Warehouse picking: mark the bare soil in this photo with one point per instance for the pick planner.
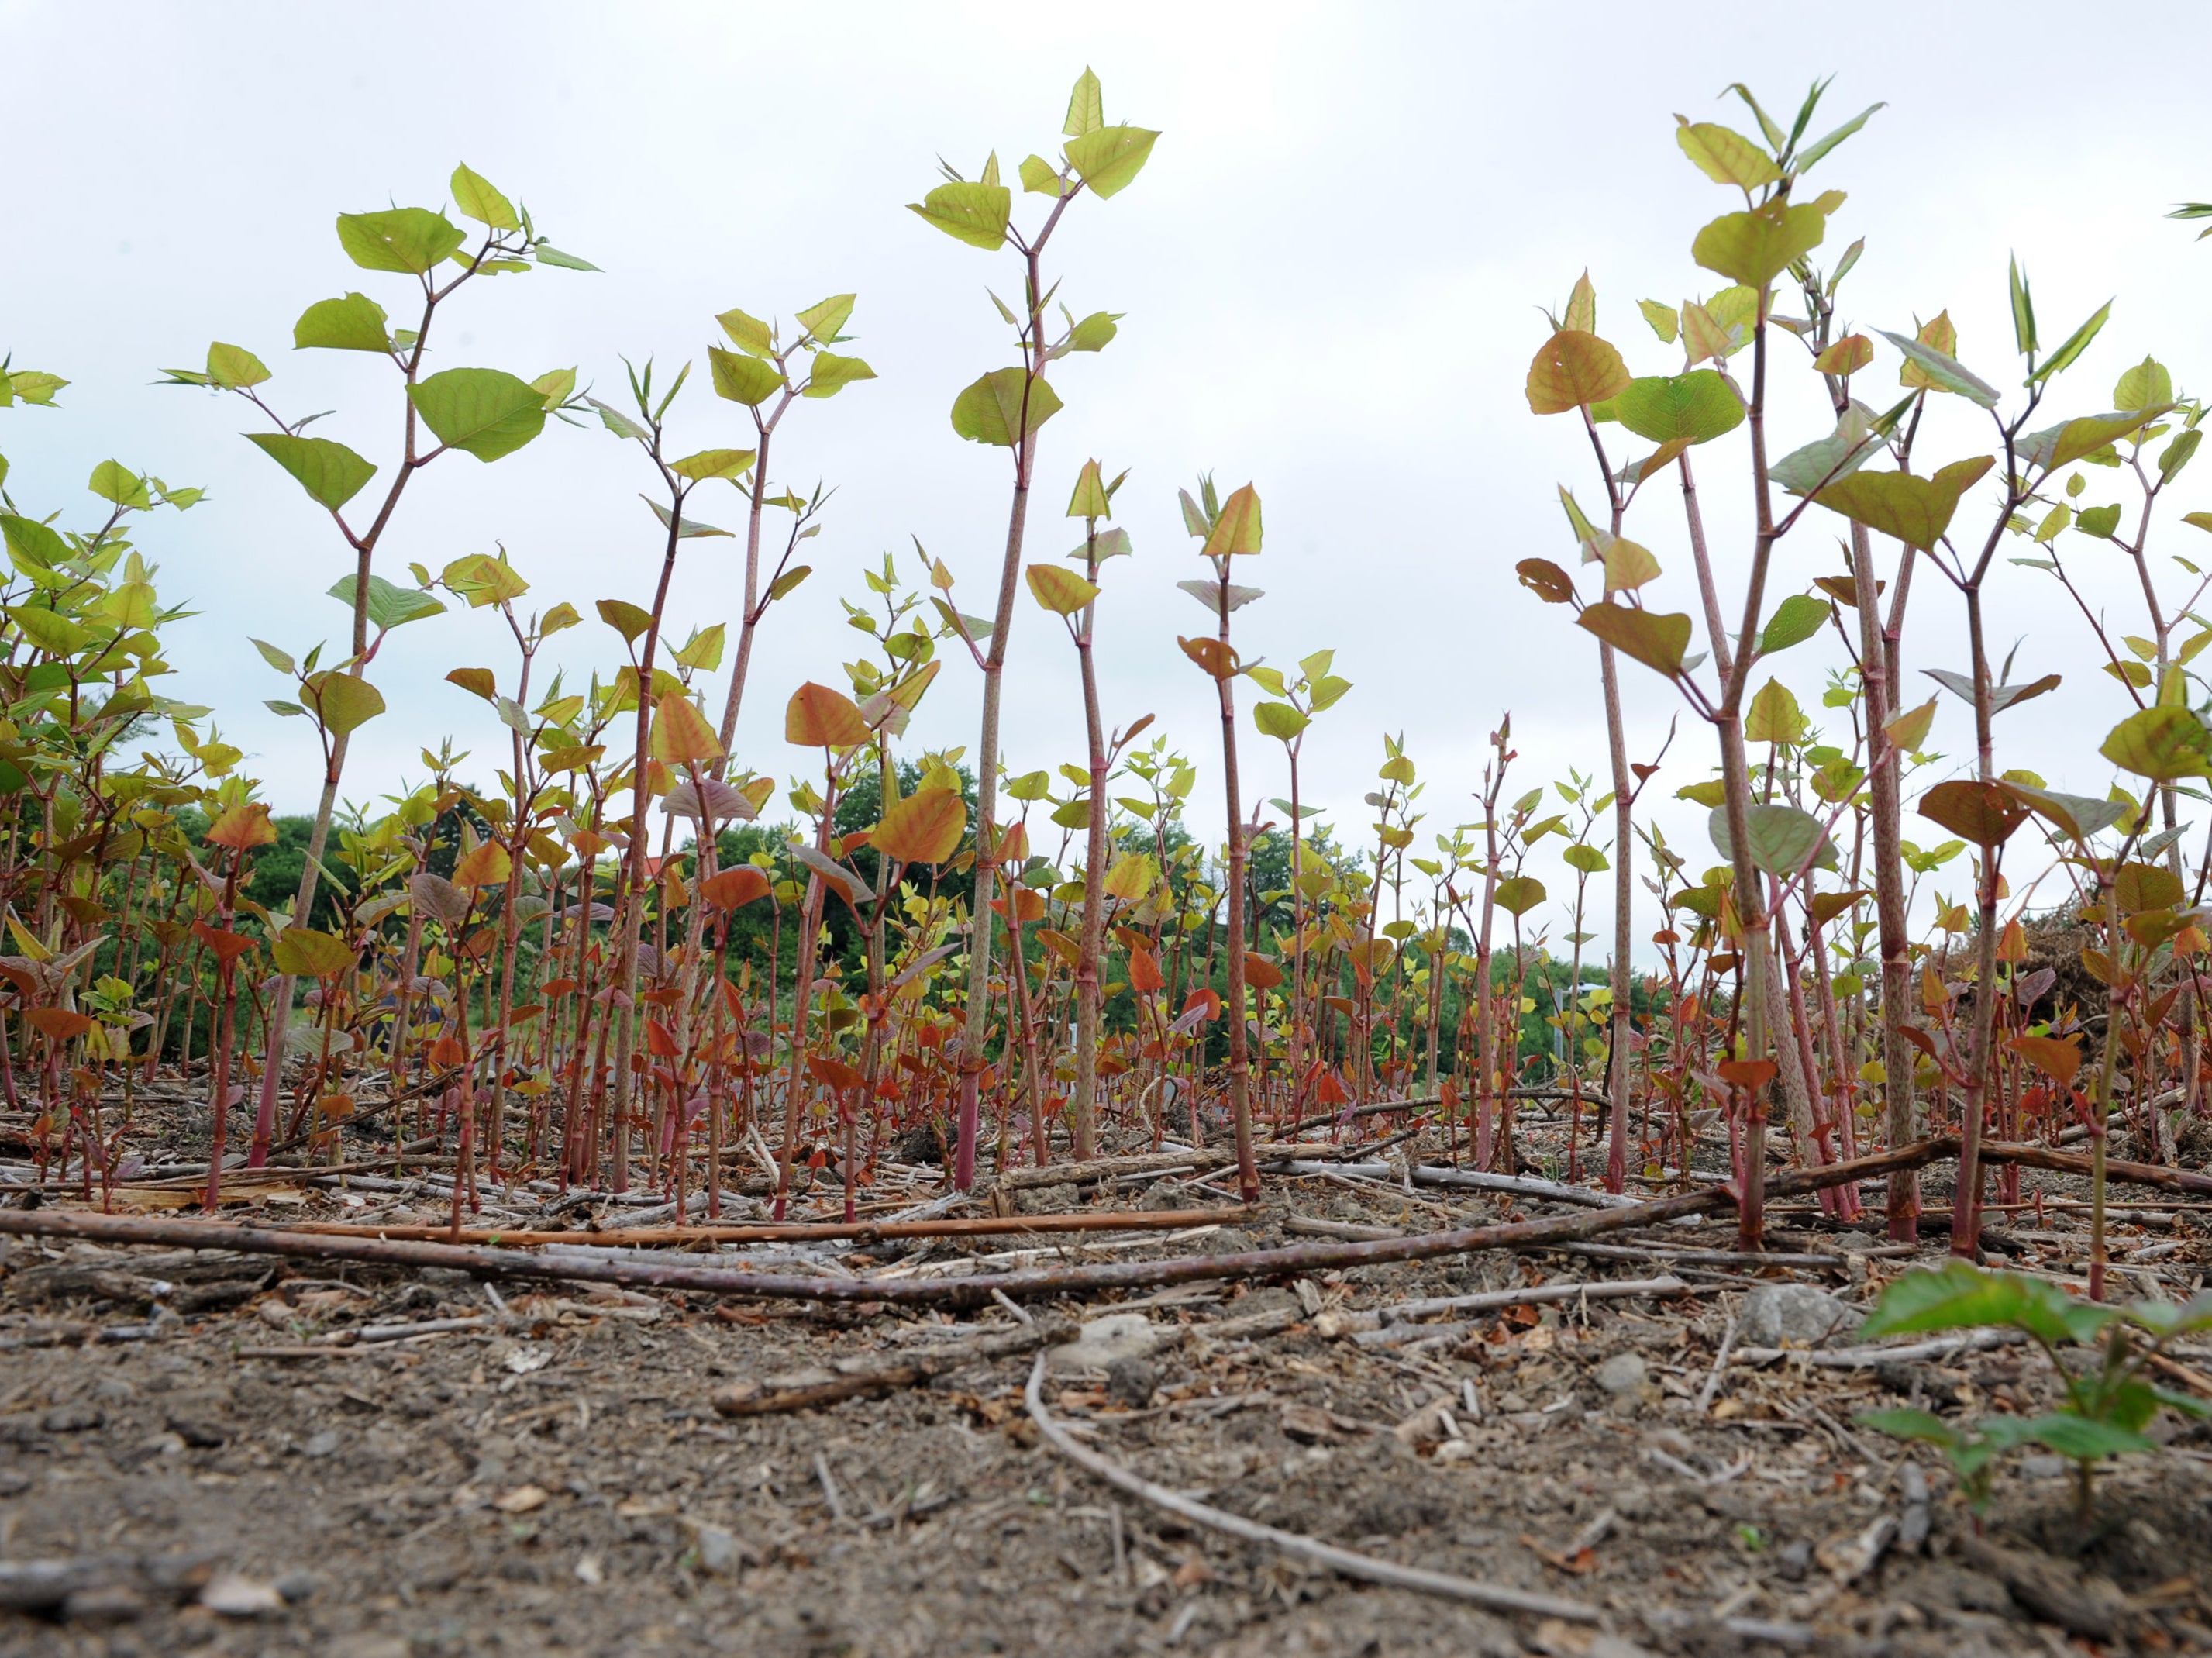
(556, 1479)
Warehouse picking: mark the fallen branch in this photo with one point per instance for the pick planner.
(804, 1391)
(2074, 1163)
(862, 1233)
(959, 1292)
(1389, 1326)
(1520, 1185)
(1150, 1163)
(1364, 1567)
(1864, 1358)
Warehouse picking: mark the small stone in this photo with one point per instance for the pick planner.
(14, 1482)
(1775, 1313)
(1103, 1340)
(321, 1444)
(297, 1585)
(111, 1603)
(72, 1419)
(520, 1500)
(234, 1596)
(590, 1572)
(719, 1551)
(1131, 1382)
(1622, 1375)
(2042, 1467)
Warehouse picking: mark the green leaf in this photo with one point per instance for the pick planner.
(616, 421)
(1279, 720)
(2001, 697)
(1726, 156)
(2076, 816)
(1915, 510)
(2162, 744)
(1590, 860)
(342, 701)
(305, 953)
(2097, 522)
(1109, 158)
(1912, 1425)
(389, 605)
(2083, 1439)
(279, 659)
(991, 410)
(1756, 247)
(2076, 343)
(823, 320)
(356, 323)
(1086, 106)
(32, 543)
(1784, 839)
(2146, 385)
(2177, 453)
(972, 213)
(113, 481)
(1038, 178)
(832, 373)
(485, 412)
(1696, 407)
(1855, 441)
(407, 240)
(233, 367)
(1959, 1295)
(2062, 445)
(692, 526)
(731, 464)
(743, 379)
(474, 195)
(52, 632)
(1945, 371)
(1095, 332)
(629, 620)
(1519, 893)
(1657, 642)
(704, 650)
(555, 387)
(2165, 1319)
(2023, 309)
(30, 386)
(330, 473)
(1796, 620)
(748, 333)
(549, 254)
(1807, 157)
(1061, 592)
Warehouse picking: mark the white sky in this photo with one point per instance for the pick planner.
(1331, 272)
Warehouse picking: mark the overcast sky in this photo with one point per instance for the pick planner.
(1332, 273)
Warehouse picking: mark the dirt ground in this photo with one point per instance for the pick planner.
(227, 1475)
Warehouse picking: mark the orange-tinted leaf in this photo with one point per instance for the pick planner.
(243, 826)
(924, 827)
(2055, 1059)
(733, 889)
(820, 718)
(681, 735)
(1746, 1073)
(1145, 975)
(486, 866)
(1572, 370)
(226, 946)
(59, 1023)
